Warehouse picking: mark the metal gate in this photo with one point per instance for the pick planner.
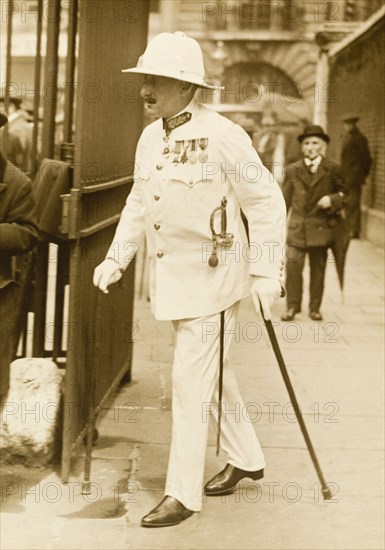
(108, 122)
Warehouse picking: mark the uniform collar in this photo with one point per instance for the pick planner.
(192, 129)
(172, 123)
(192, 108)
(189, 109)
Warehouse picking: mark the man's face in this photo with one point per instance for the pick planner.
(312, 147)
(348, 126)
(11, 107)
(161, 96)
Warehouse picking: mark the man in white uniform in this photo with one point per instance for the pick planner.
(195, 170)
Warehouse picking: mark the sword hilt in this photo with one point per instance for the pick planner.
(221, 238)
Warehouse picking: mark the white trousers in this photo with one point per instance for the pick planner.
(194, 393)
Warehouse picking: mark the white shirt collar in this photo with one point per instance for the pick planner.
(313, 164)
(14, 116)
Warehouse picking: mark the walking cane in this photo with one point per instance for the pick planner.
(274, 342)
(86, 485)
(220, 383)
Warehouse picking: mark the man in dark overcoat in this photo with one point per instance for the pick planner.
(18, 235)
(355, 167)
(314, 192)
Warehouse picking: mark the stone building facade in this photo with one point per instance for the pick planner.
(274, 57)
(264, 51)
(357, 75)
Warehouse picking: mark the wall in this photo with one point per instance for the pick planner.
(357, 80)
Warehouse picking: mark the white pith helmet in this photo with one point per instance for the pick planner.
(174, 55)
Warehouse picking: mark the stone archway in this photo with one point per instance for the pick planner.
(270, 106)
(260, 87)
(251, 80)
(292, 65)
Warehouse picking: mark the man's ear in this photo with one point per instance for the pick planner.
(187, 88)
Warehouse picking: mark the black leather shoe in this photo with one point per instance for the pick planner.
(168, 512)
(315, 315)
(289, 315)
(225, 482)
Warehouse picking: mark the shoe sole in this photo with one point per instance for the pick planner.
(153, 525)
(231, 490)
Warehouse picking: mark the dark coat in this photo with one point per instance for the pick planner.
(18, 234)
(18, 145)
(355, 158)
(18, 228)
(310, 225)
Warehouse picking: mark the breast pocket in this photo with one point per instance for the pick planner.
(191, 191)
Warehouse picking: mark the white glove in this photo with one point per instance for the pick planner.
(107, 273)
(265, 290)
(324, 202)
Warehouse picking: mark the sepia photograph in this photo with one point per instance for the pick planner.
(192, 309)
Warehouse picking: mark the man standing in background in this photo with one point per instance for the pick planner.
(315, 193)
(355, 166)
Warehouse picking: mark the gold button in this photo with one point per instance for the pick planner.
(156, 197)
(157, 226)
(160, 254)
(159, 166)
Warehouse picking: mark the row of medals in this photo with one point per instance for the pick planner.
(187, 151)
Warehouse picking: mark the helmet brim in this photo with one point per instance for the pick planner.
(186, 77)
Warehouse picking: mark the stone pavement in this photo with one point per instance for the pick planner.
(336, 367)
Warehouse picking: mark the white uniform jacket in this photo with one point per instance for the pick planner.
(172, 201)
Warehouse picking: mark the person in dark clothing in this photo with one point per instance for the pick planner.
(18, 235)
(314, 192)
(16, 145)
(355, 165)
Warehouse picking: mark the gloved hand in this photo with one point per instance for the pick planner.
(107, 273)
(324, 202)
(265, 290)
